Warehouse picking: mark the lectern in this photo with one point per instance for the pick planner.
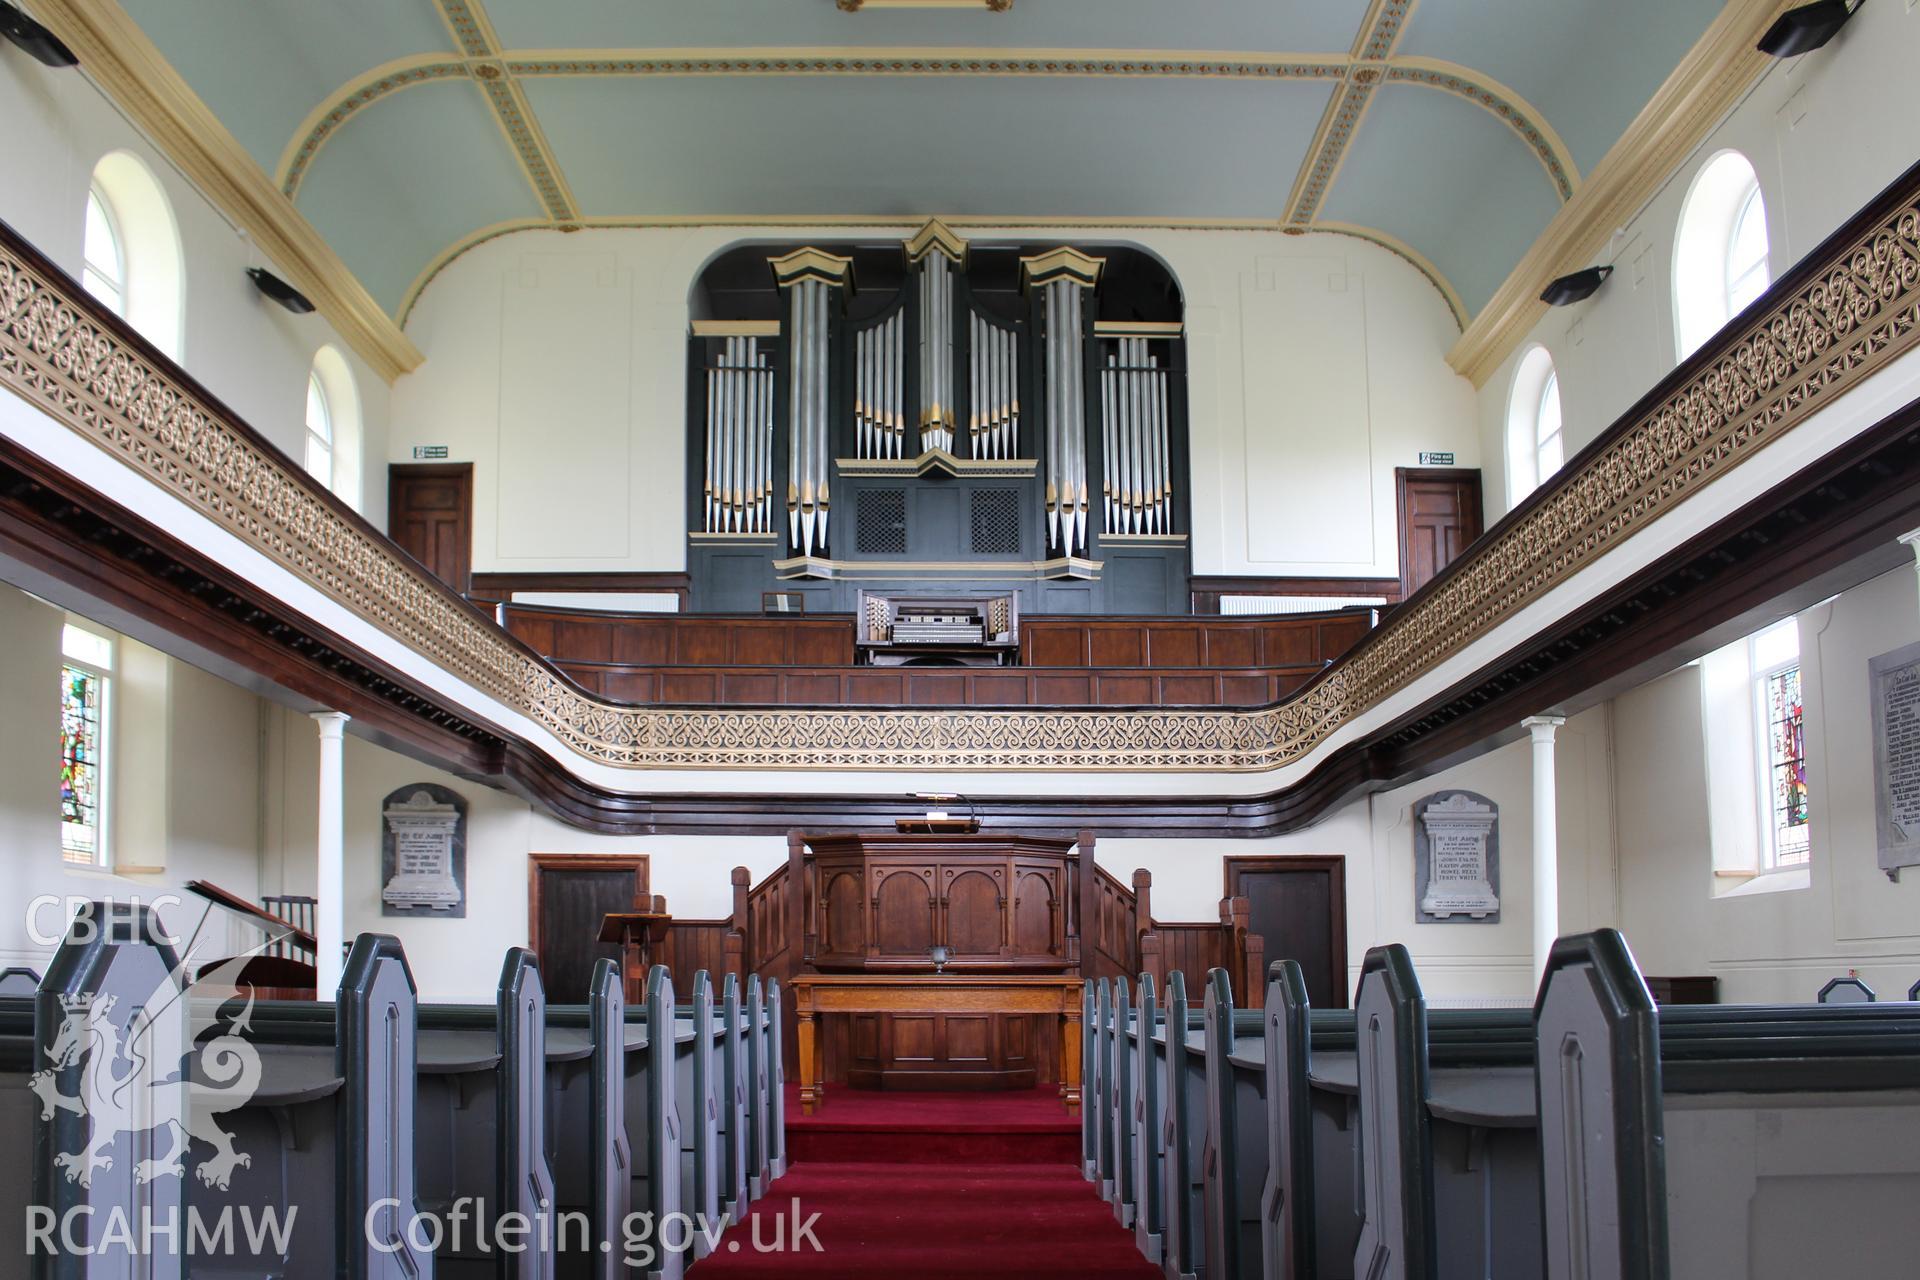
(636, 933)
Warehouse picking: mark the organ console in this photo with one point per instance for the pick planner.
(996, 418)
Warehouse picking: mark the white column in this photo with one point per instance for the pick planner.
(1912, 539)
(1546, 842)
(330, 876)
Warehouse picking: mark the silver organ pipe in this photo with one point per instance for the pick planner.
(993, 424)
(1066, 420)
(937, 418)
(1137, 477)
(808, 499)
(739, 480)
(876, 405)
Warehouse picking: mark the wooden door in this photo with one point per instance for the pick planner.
(1298, 905)
(568, 895)
(1440, 514)
(430, 514)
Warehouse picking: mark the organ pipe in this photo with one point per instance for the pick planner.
(937, 413)
(876, 409)
(994, 421)
(1066, 495)
(739, 482)
(1134, 388)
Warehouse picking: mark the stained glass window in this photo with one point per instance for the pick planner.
(1786, 789)
(82, 699)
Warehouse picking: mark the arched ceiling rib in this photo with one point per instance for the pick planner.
(1448, 131)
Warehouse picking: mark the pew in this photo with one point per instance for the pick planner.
(1760, 1142)
(759, 1103)
(1090, 1085)
(481, 1138)
(698, 1061)
(321, 1144)
(1182, 1102)
(1234, 1159)
(1149, 1219)
(776, 1086)
(1449, 1185)
(1117, 1102)
(735, 1176)
(19, 981)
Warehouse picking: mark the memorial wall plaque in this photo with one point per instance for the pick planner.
(1893, 691)
(1456, 859)
(423, 852)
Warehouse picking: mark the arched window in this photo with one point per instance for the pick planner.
(1720, 256)
(333, 425)
(1548, 450)
(1536, 443)
(132, 249)
(319, 431)
(104, 271)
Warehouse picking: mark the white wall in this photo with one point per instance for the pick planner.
(1825, 132)
(251, 353)
(1785, 943)
(557, 365)
(184, 784)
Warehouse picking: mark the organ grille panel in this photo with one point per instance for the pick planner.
(995, 522)
(881, 522)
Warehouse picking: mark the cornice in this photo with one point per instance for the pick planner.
(1693, 100)
(1843, 313)
(123, 62)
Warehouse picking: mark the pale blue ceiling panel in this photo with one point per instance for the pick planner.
(1450, 180)
(1293, 26)
(929, 145)
(262, 65)
(1588, 67)
(410, 177)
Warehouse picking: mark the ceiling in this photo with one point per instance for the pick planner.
(406, 131)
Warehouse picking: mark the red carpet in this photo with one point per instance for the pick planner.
(920, 1210)
(1028, 1126)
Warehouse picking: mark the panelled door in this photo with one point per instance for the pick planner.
(1297, 903)
(430, 514)
(1440, 514)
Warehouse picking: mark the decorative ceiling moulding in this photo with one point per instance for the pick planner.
(123, 62)
(1379, 33)
(473, 31)
(861, 6)
(363, 91)
(1844, 312)
(1719, 68)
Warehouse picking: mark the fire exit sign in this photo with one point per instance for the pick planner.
(1426, 459)
(430, 451)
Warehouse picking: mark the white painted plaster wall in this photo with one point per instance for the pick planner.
(251, 353)
(556, 364)
(1825, 132)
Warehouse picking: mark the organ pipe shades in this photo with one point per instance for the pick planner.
(1062, 276)
(809, 277)
(739, 479)
(1134, 451)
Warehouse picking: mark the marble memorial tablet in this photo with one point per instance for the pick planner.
(1894, 694)
(1456, 856)
(423, 848)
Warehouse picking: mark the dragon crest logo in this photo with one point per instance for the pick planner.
(176, 1065)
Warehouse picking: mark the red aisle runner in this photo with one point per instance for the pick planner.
(931, 1186)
